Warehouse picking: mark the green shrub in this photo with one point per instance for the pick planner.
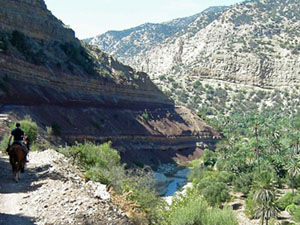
(29, 127)
(296, 214)
(204, 182)
(243, 182)
(216, 193)
(208, 184)
(296, 198)
(251, 206)
(190, 209)
(79, 56)
(209, 157)
(140, 182)
(216, 216)
(91, 155)
(197, 173)
(103, 164)
(20, 41)
(94, 159)
(285, 200)
(145, 115)
(4, 143)
(225, 177)
(291, 208)
(190, 214)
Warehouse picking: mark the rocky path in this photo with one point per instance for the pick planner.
(51, 191)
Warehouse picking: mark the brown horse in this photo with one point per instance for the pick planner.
(17, 159)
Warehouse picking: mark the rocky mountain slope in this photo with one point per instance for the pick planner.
(255, 42)
(82, 93)
(134, 41)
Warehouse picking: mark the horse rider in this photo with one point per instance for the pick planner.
(18, 135)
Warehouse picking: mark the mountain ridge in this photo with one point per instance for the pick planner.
(253, 43)
(135, 40)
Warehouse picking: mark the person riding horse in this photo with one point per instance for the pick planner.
(18, 135)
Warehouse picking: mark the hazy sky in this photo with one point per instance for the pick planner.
(89, 18)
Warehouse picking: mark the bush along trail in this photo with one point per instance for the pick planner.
(53, 191)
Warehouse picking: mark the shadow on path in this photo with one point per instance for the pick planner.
(25, 184)
(15, 219)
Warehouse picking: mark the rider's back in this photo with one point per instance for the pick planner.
(18, 134)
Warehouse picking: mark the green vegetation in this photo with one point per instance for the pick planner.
(30, 129)
(191, 209)
(25, 46)
(102, 163)
(4, 142)
(145, 115)
(259, 156)
(71, 57)
(79, 56)
(260, 153)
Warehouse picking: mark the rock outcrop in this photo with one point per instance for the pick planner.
(32, 18)
(254, 43)
(83, 93)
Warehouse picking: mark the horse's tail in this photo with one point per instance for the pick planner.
(13, 162)
(17, 158)
(20, 164)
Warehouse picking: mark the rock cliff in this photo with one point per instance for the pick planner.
(126, 44)
(254, 43)
(83, 93)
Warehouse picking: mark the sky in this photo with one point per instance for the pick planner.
(89, 18)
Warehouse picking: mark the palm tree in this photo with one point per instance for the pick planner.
(271, 211)
(266, 212)
(293, 169)
(265, 196)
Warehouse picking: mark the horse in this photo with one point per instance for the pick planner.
(17, 158)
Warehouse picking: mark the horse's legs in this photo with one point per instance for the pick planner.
(23, 167)
(16, 178)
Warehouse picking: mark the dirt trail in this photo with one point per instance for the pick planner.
(12, 195)
(51, 191)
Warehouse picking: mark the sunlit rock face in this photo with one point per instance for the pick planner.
(254, 43)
